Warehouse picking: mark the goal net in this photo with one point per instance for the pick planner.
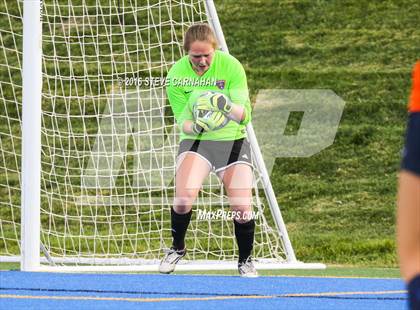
(108, 140)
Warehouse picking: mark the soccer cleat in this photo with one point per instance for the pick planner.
(246, 269)
(167, 265)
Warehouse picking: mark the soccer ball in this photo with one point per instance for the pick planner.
(216, 117)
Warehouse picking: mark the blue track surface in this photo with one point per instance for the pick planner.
(20, 290)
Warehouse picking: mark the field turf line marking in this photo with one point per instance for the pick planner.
(228, 297)
(343, 293)
(137, 299)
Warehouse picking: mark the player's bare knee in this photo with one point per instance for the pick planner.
(183, 202)
(182, 209)
(240, 201)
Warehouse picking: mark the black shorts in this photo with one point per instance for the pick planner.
(219, 154)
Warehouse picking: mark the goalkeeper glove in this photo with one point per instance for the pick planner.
(215, 102)
(211, 121)
(197, 128)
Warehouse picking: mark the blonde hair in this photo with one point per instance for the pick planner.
(199, 32)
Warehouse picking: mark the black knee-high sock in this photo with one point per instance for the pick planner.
(244, 233)
(179, 225)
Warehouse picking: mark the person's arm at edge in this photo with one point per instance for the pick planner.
(408, 215)
(408, 224)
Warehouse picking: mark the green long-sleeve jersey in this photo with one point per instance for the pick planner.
(225, 75)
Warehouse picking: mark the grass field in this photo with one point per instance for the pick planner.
(338, 205)
(331, 271)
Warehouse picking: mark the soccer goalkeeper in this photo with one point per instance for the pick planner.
(408, 224)
(209, 80)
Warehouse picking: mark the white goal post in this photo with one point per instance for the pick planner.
(98, 144)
